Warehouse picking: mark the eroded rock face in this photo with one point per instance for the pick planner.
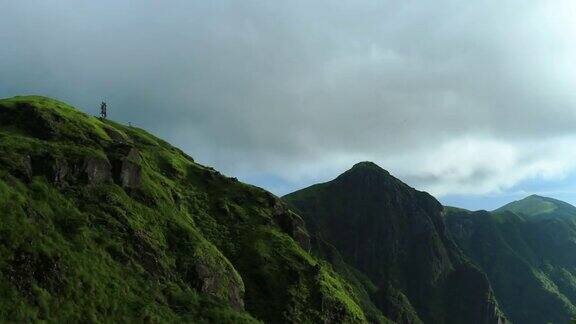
(63, 171)
(26, 169)
(123, 166)
(292, 224)
(214, 281)
(204, 267)
(147, 254)
(126, 168)
(131, 172)
(97, 170)
(60, 170)
(55, 169)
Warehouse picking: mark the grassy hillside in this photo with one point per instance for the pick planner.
(540, 207)
(100, 222)
(528, 256)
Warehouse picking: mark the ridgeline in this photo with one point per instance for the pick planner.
(106, 223)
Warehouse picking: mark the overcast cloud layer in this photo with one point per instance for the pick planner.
(455, 97)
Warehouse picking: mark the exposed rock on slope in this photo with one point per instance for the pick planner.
(396, 236)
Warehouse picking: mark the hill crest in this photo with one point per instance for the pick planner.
(536, 206)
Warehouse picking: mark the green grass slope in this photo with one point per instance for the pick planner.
(540, 207)
(100, 222)
(528, 256)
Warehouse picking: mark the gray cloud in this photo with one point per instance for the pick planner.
(456, 97)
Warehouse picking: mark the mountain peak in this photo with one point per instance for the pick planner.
(386, 230)
(367, 174)
(367, 166)
(539, 206)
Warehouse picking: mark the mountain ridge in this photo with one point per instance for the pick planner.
(93, 209)
(105, 222)
(527, 250)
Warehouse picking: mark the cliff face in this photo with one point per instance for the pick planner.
(396, 236)
(103, 222)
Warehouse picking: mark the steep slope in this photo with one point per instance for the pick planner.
(529, 257)
(361, 285)
(396, 236)
(101, 222)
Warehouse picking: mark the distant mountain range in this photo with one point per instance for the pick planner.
(528, 250)
(101, 222)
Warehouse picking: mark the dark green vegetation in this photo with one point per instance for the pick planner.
(528, 250)
(101, 222)
(409, 269)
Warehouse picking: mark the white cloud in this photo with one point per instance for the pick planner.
(481, 165)
(453, 96)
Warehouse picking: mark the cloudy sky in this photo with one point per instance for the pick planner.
(474, 102)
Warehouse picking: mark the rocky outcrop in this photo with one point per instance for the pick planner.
(63, 171)
(60, 170)
(122, 165)
(131, 171)
(96, 170)
(292, 224)
(126, 165)
(215, 281)
(25, 169)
